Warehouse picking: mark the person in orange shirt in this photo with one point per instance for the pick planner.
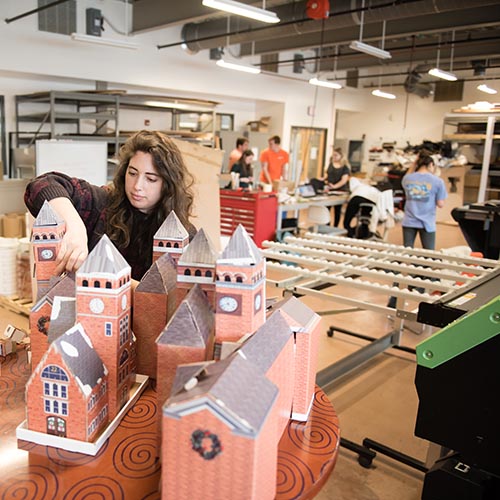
(274, 161)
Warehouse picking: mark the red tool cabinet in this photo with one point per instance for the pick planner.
(255, 211)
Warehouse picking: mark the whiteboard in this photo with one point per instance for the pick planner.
(83, 159)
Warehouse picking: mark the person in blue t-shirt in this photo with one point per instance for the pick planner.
(424, 192)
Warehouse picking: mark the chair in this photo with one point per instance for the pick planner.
(318, 220)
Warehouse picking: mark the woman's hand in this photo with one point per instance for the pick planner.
(73, 250)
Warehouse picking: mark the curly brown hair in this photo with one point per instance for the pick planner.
(176, 193)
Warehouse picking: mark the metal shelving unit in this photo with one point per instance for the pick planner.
(485, 132)
(62, 114)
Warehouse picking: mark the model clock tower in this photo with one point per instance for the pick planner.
(47, 234)
(171, 238)
(240, 289)
(103, 292)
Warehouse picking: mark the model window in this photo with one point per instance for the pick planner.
(227, 277)
(197, 272)
(47, 406)
(108, 329)
(97, 284)
(64, 392)
(51, 423)
(239, 279)
(108, 284)
(55, 373)
(55, 390)
(187, 272)
(160, 244)
(56, 406)
(46, 388)
(208, 274)
(85, 283)
(64, 408)
(123, 357)
(176, 245)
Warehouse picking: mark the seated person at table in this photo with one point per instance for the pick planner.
(244, 167)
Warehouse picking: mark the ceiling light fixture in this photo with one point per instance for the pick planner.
(484, 88)
(238, 67)
(111, 42)
(370, 49)
(241, 9)
(324, 83)
(381, 93)
(440, 73)
(364, 47)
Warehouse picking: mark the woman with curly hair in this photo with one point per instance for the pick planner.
(151, 180)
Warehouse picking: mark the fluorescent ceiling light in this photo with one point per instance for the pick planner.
(238, 67)
(445, 75)
(484, 88)
(370, 50)
(241, 9)
(112, 42)
(323, 83)
(385, 95)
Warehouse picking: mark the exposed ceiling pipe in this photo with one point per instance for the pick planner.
(212, 34)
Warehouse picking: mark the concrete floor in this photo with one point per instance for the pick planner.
(377, 400)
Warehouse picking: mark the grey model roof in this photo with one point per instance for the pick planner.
(47, 216)
(187, 372)
(234, 388)
(199, 251)
(264, 346)
(296, 309)
(192, 323)
(241, 247)
(62, 318)
(104, 258)
(172, 228)
(161, 276)
(60, 286)
(80, 357)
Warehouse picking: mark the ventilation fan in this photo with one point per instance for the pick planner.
(412, 85)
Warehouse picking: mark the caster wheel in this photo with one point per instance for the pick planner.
(365, 462)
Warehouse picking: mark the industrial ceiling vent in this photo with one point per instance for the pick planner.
(412, 85)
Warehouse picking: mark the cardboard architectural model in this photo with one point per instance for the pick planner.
(225, 419)
(84, 378)
(48, 231)
(171, 238)
(154, 304)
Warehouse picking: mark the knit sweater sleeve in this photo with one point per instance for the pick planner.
(89, 201)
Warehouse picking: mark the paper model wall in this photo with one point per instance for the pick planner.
(216, 442)
(305, 324)
(41, 312)
(154, 305)
(66, 394)
(197, 265)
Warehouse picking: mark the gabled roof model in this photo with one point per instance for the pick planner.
(47, 216)
(192, 323)
(161, 276)
(79, 356)
(298, 313)
(265, 345)
(62, 287)
(104, 258)
(172, 228)
(62, 318)
(199, 251)
(241, 248)
(220, 387)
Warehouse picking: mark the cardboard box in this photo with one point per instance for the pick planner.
(261, 125)
(13, 225)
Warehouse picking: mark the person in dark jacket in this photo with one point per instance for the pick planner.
(243, 167)
(151, 180)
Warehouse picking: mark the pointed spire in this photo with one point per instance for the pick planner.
(241, 247)
(199, 251)
(104, 258)
(171, 229)
(47, 216)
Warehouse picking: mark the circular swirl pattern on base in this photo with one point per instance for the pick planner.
(95, 487)
(135, 456)
(38, 482)
(142, 413)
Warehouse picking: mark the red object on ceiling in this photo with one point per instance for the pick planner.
(318, 9)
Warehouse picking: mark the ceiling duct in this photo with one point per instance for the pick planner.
(294, 23)
(412, 84)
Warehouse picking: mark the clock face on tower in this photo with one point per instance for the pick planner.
(46, 254)
(96, 306)
(228, 304)
(258, 302)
